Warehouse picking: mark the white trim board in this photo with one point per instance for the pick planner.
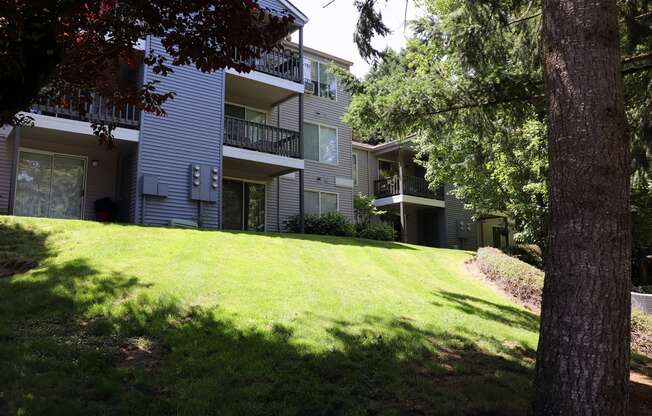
(268, 79)
(260, 157)
(81, 127)
(291, 7)
(409, 199)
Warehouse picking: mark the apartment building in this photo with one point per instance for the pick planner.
(390, 174)
(228, 154)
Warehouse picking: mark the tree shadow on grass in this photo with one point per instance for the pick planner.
(471, 305)
(80, 341)
(21, 248)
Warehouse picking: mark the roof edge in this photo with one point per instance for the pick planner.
(294, 9)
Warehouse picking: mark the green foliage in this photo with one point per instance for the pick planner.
(130, 320)
(376, 231)
(468, 90)
(528, 253)
(332, 223)
(523, 281)
(365, 210)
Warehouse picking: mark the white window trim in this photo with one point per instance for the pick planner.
(45, 152)
(355, 173)
(337, 198)
(233, 178)
(316, 93)
(246, 107)
(337, 142)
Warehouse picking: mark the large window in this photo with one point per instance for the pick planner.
(243, 205)
(320, 143)
(245, 113)
(354, 169)
(319, 80)
(318, 203)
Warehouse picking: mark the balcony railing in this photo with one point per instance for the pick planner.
(98, 110)
(261, 137)
(279, 63)
(412, 185)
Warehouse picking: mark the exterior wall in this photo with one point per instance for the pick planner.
(101, 181)
(455, 212)
(289, 201)
(192, 132)
(485, 230)
(6, 153)
(320, 176)
(365, 181)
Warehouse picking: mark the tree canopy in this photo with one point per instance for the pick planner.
(72, 48)
(468, 91)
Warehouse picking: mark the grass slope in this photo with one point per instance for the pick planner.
(113, 319)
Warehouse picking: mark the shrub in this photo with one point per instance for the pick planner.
(521, 280)
(376, 231)
(529, 253)
(365, 210)
(642, 333)
(332, 223)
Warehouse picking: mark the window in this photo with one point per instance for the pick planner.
(319, 80)
(317, 203)
(387, 169)
(320, 143)
(245, 113)
(354, 168)
(243, 205)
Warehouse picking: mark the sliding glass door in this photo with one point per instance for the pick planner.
(243, 205)
(49, 185)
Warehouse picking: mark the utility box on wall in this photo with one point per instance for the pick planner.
(204, 182)
(152, 187)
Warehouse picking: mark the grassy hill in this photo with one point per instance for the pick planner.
(112, 319)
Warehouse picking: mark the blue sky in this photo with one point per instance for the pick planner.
(331, 29)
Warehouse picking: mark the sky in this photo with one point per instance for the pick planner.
(331, 29)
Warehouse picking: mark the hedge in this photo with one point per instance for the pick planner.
(525, 283)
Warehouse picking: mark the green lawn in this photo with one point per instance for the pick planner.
(117, 320)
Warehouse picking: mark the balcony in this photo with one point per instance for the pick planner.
(99, 110)
(412, 185)
(261, 138)
(283, 64)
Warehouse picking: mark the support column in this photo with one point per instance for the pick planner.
(14, 170)
(400, 191)
(302, 228)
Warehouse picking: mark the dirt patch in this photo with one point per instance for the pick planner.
(139, 353)
(640, 394)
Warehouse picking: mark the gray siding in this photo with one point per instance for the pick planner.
(101, 181)
(365, 183)
(456, 212)
(190, 133)
(321, 176)
(289, 199)
(6, 151)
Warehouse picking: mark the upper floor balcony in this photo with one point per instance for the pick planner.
(281, 63)
(261, 138)
(98, 110)
(412, 186)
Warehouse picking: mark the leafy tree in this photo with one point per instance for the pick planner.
(70, 48)
(480, 67)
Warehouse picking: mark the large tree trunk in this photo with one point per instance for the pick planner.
(583, 356)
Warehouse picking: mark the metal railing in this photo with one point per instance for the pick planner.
(412, 185)
(284, 64)
(261, 137)
(98, 110)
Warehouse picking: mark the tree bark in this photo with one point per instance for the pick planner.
(583, 355)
